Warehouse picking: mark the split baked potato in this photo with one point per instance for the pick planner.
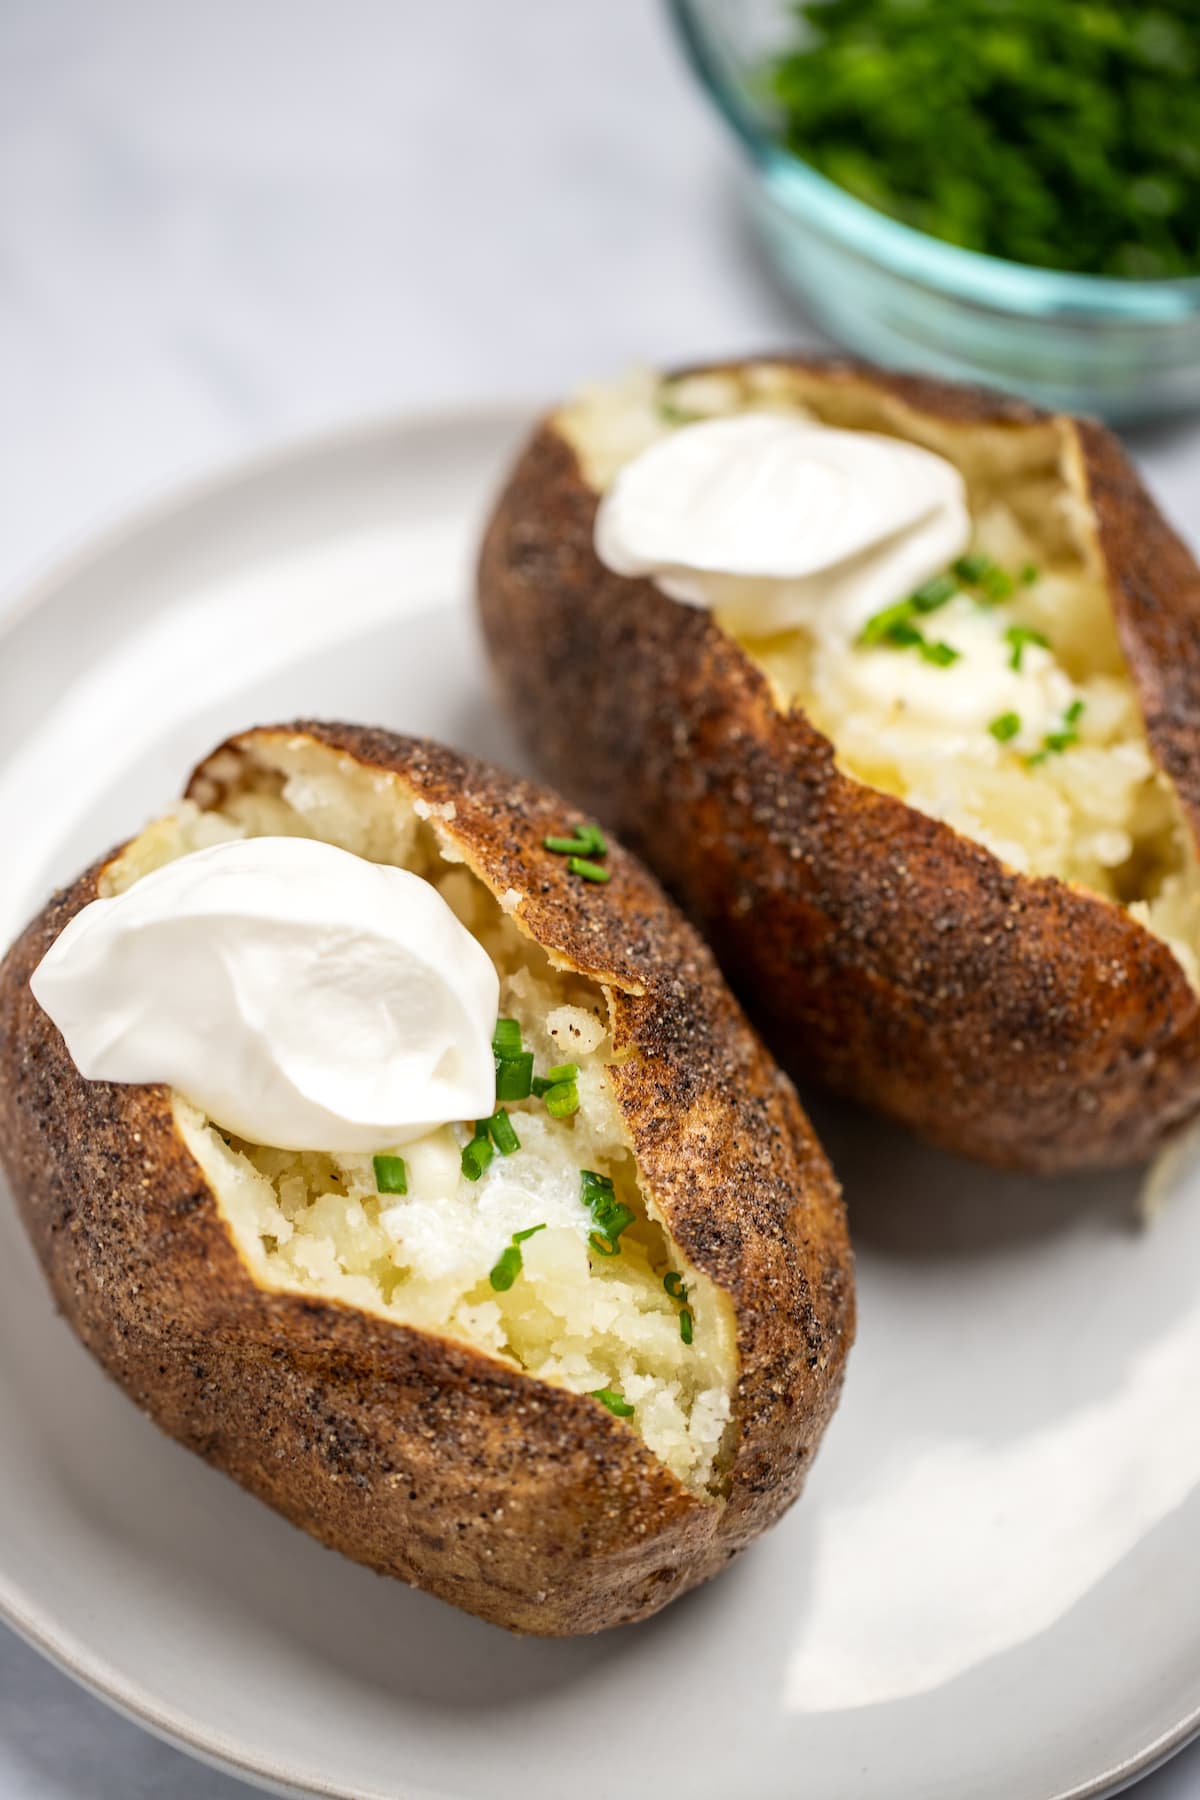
(558, 1455)
(996, 943)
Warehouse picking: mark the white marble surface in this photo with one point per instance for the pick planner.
(222, 224)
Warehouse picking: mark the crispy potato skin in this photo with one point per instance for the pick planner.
(1010, 1018)
(525, 1504)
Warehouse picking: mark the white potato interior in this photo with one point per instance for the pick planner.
(1098, 813)
(315, 1223)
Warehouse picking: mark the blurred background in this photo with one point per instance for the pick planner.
(225, 224)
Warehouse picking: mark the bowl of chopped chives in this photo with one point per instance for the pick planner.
(995, 190)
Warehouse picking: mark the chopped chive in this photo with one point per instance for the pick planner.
(1005, 727)
(540, 1086)
(1020, 635)
(903, 634)
(673, 1282)
(615, 1402)
(511, 1261)
(1029, 574)
(588, 840)
(973, 567)
(507, 1269)
(506, 1039)
(590, 871)
(997, 583)
(391, 1176)
(476, 1156)
(880, 626)
(562, 1099)
(562, 1072)
(942, 655)
(514, 1076)
(685, 1325)
(932, 594)
(671, 413)
(501, 1131)
(1039, 756)
(609, 1215)
(1055, 742)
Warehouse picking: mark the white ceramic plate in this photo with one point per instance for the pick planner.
(990, 1589)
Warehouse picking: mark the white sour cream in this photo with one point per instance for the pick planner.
(300, 996)
(779, 521)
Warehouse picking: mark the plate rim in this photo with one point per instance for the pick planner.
(19, 602)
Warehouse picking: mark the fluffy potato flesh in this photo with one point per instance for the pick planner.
(1097, 812)
(315, 1223)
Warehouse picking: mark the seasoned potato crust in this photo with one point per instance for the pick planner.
(419, 1454)
(1011, 1016)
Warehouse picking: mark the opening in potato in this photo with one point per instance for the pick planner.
(641, 1327)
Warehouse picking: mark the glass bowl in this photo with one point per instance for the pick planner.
(1128, 350)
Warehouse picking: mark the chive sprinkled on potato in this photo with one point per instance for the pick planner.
(391, 1176)
(1005, 727)
(511, 1261)
(609, 1215)
(616, 1403)
(581, 852)
(477, 1155)
(1019, 636)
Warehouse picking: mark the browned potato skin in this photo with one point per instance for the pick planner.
(525, 1504)
(1014, 1019)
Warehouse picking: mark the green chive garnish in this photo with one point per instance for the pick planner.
(1029, 574)
(1020, 635)
(507, 1269)
(1055, 742)
(514, 1076)
(940, 654)
(1005, 727)
(476, 1156)
(672, 414)
(615, 1402)
(881, 627)
(501, 1131)
(589, 871)
(609, 1215)
(506, 1039)
(685, 1326)
(933, 594)
(391, 1176)
(673, 1282)
(972, 568)
(588, 840)
(511, 1261)
(997, 583)
(562, 1099)
(562, 1072)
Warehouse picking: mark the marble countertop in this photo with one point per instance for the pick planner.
(221, 225)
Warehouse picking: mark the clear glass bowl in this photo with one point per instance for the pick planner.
(1128, 350)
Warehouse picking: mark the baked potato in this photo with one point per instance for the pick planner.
(558, 1455)
(995, 943)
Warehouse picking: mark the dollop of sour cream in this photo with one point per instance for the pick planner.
(299, 995)
(779, 521)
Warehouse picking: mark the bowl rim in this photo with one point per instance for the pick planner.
(992, 281)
